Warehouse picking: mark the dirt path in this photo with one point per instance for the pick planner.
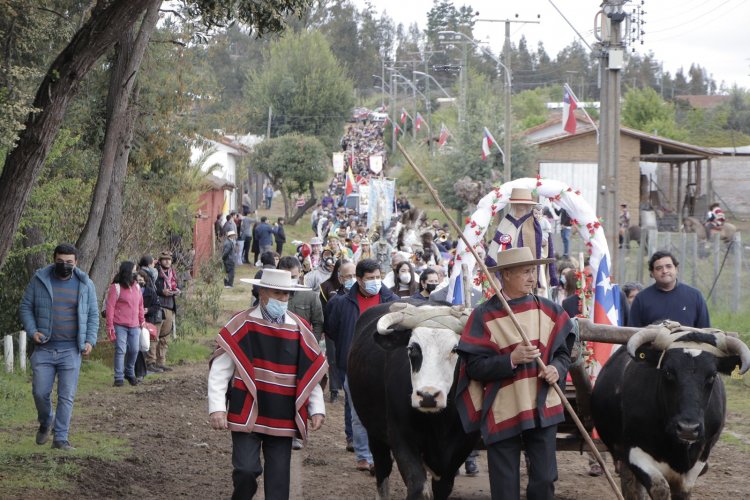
(175, 454)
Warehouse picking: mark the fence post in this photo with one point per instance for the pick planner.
(694, 256)
(683, 248)
(717, 265)
(639, 269)
(9, 353)
(22, 351)
(736, 276)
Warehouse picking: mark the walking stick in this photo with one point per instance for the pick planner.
(513, 318)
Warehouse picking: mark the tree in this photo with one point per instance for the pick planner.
(107, 22)
(293, 163)
(643, 109)
(302, 83)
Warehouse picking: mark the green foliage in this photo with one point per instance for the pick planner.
(200, 305)
(530, 107)
(303, 83)
(264, 16)
(644, 110)
(292, 162)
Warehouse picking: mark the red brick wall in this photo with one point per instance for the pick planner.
(585, 149)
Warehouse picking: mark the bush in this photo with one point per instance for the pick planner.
(200, 306)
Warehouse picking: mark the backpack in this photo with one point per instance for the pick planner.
(104, 301)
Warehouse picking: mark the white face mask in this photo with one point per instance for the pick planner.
(404, 278)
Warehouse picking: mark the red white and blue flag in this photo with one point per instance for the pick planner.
(569, 106)
(418, 122)
(444, 133)
(606, 297)
(404, 114)
(487, 141)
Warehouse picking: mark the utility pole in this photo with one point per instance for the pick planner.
(611, 55)
(507, 48)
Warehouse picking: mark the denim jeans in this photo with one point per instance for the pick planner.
(45, 364)
(126, 350)
(347, 407)
(359, 433)
(565, 234)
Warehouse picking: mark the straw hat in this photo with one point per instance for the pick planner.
(278, 279)
(515, 257)
(231, 233)
(521, 196)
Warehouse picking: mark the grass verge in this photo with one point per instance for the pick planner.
(24, 465)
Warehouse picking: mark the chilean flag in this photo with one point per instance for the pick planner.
(418, 122)
(486, 144)
(404, 114)
(606, 297)
(457, 298)
(569, 106)
(444, 133)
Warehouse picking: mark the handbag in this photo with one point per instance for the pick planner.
(145, 339)
(153, 332)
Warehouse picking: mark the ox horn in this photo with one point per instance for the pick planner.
(736, 347)
(387, 321)
(641, 337)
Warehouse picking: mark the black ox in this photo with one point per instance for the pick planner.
(403, 392)
(659, 406)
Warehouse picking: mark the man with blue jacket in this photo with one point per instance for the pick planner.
(342, 313)
(61, 317)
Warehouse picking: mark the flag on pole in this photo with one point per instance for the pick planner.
(398, 129)
(569, 106)
(349, 182)
(418, 121)
(458, 285)
(404, 114)
(444, 133)
(487, 142)
(605, 300)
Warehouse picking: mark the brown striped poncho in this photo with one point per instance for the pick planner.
(504, 408)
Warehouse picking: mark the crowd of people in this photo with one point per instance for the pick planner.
(60, 314)
(359, 142)
(300, 325)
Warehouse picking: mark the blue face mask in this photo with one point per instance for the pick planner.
(372, 287)
(348, 284)
(276, 308)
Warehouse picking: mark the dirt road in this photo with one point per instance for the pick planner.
(175, 454)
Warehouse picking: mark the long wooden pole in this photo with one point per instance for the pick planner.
(513, 318)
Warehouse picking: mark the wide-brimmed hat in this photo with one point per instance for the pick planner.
(231, 233)
(165, 255)
(515, 257)
(278, 279)
(521, 196)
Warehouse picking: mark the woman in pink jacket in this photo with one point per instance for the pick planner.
(125, 317)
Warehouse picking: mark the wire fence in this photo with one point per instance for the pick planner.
(718, 268)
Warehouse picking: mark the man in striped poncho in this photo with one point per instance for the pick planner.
(269, 365)
(502, 392)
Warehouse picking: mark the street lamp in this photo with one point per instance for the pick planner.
(436, 82)
(506, 170)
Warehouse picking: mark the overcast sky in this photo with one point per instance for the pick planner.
(712, 33)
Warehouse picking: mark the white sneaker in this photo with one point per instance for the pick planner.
(297, 444)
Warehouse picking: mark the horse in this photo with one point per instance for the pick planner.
(694, 225)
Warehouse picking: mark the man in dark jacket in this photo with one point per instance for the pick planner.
(168, 290)
(342, 313)
(279, 236)
(228, 258)
(264, 235)
(61, 318)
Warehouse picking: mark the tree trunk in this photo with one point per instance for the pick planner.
(285, 197)
(122, 111)
(24, 164)
(304, 208)
(128, 57)
(33, 237)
